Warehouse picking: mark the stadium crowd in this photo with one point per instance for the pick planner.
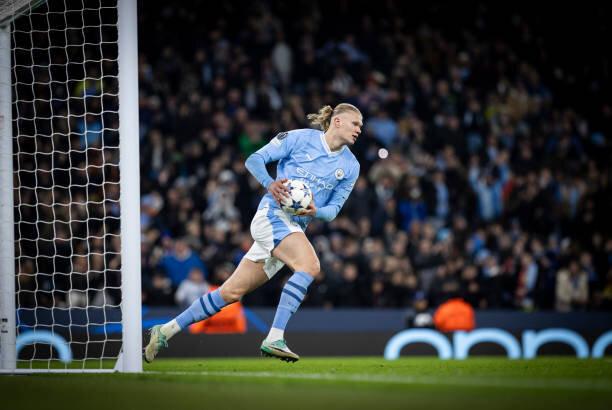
(474, 181)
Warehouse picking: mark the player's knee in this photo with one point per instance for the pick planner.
(230, 295)
(312, 267)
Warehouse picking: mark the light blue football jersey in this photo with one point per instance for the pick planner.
(304, 155)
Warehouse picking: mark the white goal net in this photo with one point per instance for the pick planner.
(66, 183)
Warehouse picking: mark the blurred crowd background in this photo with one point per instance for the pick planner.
(485, 154)
(475, 181)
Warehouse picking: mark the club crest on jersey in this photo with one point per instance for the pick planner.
(339, 173)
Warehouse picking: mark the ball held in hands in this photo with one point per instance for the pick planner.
(299, 197)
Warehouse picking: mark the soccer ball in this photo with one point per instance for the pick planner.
(299, 198)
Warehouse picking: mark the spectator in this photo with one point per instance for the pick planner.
(347, 289)
(488, 189)
(158, 291)
(411, 206)
(526, 280)
(90, 130)
(383, 128)
(221, 211)
(572, 288)
(420, 316)
(282, 59)
(179, 261)
(191, 288)
(440, 203)
(606, 294)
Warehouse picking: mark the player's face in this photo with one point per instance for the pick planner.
(349, 124)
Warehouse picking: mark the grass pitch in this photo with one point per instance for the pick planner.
(322, 383)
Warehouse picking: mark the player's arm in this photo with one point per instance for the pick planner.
(279, 147)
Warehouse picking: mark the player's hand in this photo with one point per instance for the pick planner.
(310, 211)
(278, 190)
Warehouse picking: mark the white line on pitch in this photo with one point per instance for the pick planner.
(571, 384)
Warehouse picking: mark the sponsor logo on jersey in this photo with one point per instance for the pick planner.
(339, 173)
(310, 178)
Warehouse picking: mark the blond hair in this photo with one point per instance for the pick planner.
(324, 116)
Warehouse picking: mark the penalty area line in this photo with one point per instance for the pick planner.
(570, 384)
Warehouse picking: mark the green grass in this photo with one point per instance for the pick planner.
(317, 384)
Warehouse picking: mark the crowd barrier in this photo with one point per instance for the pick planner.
(363, 332)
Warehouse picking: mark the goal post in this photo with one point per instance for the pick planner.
(130, 185)
(7, 240)
(70, 281)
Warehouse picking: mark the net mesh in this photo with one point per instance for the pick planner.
(11, 9)
(66, 179)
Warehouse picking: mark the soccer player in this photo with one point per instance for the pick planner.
(322, 160)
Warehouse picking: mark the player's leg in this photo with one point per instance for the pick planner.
(248, 276)
(297, 252)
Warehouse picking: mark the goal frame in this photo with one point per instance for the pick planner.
(130, 356)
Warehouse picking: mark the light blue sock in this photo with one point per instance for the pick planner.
(293, 294)
(204, 307)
